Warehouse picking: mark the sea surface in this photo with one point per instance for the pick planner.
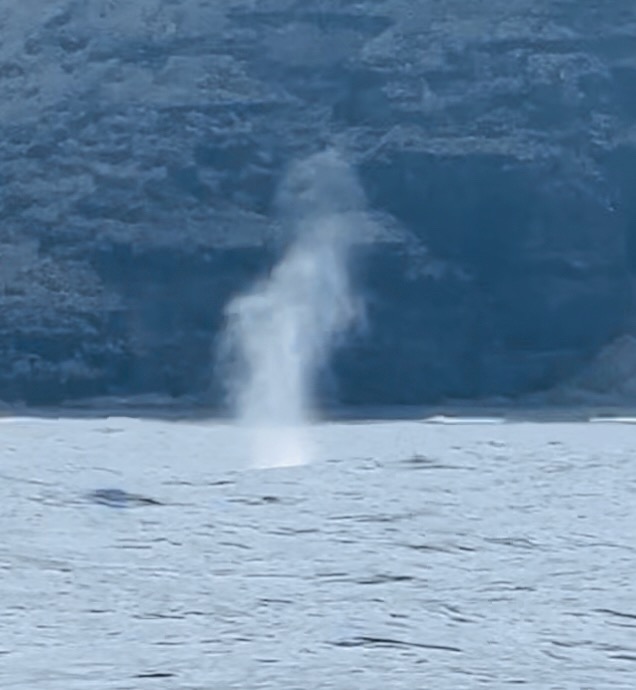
(143, 554)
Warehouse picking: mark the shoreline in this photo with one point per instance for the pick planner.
(479, 412)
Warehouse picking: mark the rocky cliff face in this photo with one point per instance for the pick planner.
(143, 143)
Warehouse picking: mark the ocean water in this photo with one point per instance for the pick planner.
(407, 555)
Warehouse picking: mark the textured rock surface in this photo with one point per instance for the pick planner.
(142, 144)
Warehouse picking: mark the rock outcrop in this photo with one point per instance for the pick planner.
(142, 145)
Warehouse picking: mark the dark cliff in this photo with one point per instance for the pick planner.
(142, 145)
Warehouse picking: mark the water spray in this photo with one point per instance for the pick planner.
(280, 335)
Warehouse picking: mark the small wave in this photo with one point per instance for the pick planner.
(623, 657)
(420, 462)
(618, 614)
(515, 542)
(443, 419)
(612, 420)
(369, 641)
(382, 579)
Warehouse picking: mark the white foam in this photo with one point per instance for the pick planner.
(612, 420)
(443, 419)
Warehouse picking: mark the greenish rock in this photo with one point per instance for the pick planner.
(143, 143)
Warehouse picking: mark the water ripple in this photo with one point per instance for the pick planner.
(358, 572)
(618, 614)
(368, 641)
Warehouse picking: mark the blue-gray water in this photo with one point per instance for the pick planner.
(405, 556)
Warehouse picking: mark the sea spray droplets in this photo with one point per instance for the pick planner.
(286, 327)
(282, 332)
